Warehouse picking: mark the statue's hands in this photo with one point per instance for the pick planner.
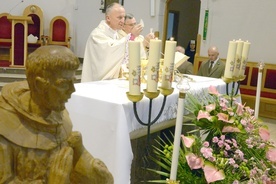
(61, 166)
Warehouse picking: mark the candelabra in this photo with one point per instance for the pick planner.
(150, 96)
(235, 86)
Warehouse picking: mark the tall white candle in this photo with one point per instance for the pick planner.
(134, 67)
(168, 67)
(153, 65)
(245, 51)
(259, 86)
(177, 135)
(258, 93)
(238, 58)
(230, 61)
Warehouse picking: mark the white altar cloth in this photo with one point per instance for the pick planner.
(104, 115)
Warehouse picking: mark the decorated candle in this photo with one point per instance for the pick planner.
(245, 51)
(230, 60)
(238, 58)
(153, 65)
(134, 67)
(168, 67)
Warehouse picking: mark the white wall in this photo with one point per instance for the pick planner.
(252, 20)
(84, 15)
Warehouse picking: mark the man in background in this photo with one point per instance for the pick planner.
(130, 23)
(186, 67)
(105, 49)
(214, 67)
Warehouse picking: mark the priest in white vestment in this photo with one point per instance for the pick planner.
(105, 49)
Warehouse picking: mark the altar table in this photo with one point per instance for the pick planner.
(104, 115)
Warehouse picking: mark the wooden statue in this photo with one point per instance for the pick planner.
(37, 144)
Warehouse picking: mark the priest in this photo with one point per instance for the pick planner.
(105, 50)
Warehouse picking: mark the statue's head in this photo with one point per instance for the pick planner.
(50, 72)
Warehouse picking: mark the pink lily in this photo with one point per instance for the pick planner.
(210, 107)
(240, 109)
(212, 174)
(264, 133)
(194, 161)
(203, 114)
(225, 117)
(213, 90)
(188, 141)
(271, 154)
(230, 129)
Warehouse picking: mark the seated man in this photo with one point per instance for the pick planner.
(214, 67)
(36, 139)
(186, 67)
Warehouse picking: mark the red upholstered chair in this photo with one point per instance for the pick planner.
(5, 40)
(37, 27)
(59, 32)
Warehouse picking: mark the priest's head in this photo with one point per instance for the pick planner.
(130, 22)
(115, 16)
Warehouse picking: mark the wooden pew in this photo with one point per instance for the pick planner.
(248, 86)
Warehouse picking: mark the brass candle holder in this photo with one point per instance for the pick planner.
(150, 96)
(235, 89)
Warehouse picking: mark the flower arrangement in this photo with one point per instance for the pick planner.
(229, 145)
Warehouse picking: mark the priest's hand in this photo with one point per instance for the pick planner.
(136, 30)
(147, 39)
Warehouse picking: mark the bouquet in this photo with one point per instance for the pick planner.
(228, 145)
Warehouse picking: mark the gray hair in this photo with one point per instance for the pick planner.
(110, 7)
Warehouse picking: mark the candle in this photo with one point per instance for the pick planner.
(230, 61)
(177, 136)
(238, 58)
(168, 67)
(134, 67)
(153, 65)
(245, 51)
(258, 92)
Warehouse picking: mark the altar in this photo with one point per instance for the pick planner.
(104, 115)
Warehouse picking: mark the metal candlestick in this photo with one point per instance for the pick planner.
(235, 89)
(151, 96)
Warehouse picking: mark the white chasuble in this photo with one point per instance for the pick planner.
(103, 54)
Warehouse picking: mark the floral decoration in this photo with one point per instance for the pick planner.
(228, 145)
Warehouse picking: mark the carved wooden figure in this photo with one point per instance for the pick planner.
(37, 144)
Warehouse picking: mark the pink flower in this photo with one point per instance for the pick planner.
(230, 129)
(206, 152)
(188, 141)
(240, 109)
(203, 114)
(210, 107)
(194, 161)
(213, 90)
(224, 117)
(264, 133)
(212, 174)
(271, 154)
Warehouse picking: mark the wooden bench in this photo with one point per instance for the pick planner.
(248, 86)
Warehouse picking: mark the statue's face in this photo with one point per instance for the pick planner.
(59, 90)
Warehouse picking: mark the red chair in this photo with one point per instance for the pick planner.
(37, 28)
(59, 32)
(5, 40)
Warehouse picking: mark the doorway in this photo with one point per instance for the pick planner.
(172, 28)
(186, 25)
